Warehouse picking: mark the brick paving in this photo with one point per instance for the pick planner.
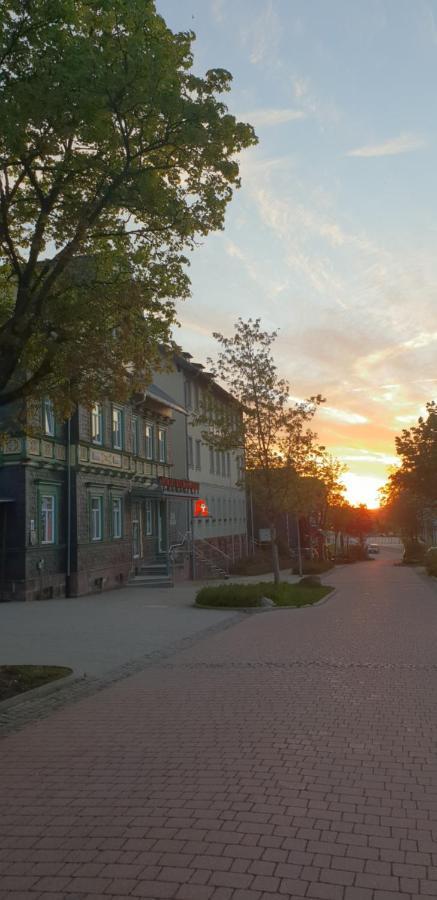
(292, 755)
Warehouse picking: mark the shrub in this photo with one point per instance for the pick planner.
(414, 553)
(261, 564)
(249, 595)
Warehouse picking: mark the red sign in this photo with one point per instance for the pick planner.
(179, 484)
(200, 508)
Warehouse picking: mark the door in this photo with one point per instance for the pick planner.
(136, 531)
(162, 529)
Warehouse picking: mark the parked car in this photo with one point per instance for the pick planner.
(373, 549)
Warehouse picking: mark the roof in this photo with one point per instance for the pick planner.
(156, 393)
(197, 370)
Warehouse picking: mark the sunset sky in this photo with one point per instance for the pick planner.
(333, 235)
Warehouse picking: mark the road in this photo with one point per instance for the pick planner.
(290, 755)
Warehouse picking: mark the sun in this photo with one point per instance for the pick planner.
(362, 489)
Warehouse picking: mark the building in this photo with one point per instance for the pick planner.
(111, 497)
(218, 529)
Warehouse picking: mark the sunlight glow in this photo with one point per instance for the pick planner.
(362, 489)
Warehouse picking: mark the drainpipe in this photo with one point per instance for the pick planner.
(68, 507)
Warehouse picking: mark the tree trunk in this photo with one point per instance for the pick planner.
(275, 555)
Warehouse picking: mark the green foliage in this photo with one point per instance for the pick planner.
(249, 595)
(260, 564)
(111, 150)
(414, 553)
(18, 679)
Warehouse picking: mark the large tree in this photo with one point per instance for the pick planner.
(279, 445)
(410, 494)
(114, 159)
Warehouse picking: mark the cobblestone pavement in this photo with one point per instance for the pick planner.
(292, 755)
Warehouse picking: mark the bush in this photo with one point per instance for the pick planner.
(414, 553)
(249, 595)
(431, 561)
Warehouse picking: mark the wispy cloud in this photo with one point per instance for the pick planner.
(269, 117)
(262, 34)
(404, 143)
(343, 415)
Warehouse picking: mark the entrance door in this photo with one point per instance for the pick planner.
(162, 530)
(136, 531)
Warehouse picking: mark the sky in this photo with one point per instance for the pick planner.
(332, 237)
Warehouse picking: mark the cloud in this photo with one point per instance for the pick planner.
(268, 117)
(342, 415)
(218, 11)
(262, 35)
(405, 143)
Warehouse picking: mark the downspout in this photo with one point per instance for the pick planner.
(68, 585)
(190, 522)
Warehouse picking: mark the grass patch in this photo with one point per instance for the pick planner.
(19, 679)
(237, 596)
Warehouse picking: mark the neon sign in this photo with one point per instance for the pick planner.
(201, 509)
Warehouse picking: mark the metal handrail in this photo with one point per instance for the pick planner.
(213, 547)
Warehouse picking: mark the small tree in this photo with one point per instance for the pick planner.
(111, 151)
(278, 444)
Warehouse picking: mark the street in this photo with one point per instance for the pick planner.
(291, 754)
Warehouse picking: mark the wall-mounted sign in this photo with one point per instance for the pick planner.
(200, 509)
(264, 535)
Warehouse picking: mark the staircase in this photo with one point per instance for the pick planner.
(212, 567)
(154, 574)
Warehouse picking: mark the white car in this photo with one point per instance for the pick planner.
(373, 549)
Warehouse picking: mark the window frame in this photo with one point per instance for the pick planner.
(198, 454)
(162, 444)
(48, 411)
(97, 414)
(43, 521)
(117, 410)
(150, 439)
(211, 461)
(117, 500)
(98, 537)
(190, 452)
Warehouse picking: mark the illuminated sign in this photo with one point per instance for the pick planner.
(200, 508)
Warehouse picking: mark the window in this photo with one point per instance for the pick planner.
(228, 464)
(97, 424)
(134, 427)
(219, 508)
(223, 464)
(198, 454)
(211, 461)
(190, 453)
(217, 462)
(49, 417)
(117, 527)
(47, 519)
(149, 441)
(96, 518)
(162, 445)
(117, 428)
(149, 519)
(196, 395)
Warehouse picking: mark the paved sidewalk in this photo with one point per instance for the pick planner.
(99, 633)
(292, 755)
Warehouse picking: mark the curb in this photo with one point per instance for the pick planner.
(263, 609)
(42, 691)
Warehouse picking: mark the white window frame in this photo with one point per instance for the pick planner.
(117, 517)
(45, 514)
(217, 462)
(150, 436)
(188, 394)
(117, 428)
(97, 424)
(96, 520)
(162, 445)
(49, 417)
(148, 518)
(228, 464)
(211, 461)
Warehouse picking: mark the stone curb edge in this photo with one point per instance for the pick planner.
(42, 691)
